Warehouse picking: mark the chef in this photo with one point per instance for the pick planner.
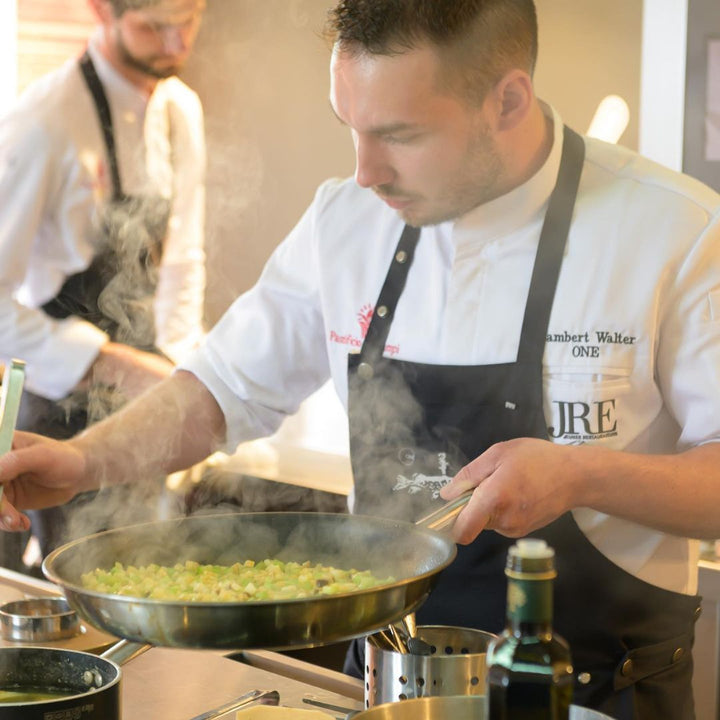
(102, 273)
(502, 306)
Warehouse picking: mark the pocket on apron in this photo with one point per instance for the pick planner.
(658, 679)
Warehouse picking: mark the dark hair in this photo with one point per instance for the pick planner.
(482, 39)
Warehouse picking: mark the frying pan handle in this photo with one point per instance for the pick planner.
(124, 650)
(443, 517)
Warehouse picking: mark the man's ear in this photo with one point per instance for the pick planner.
(103, 9)
(513, 96)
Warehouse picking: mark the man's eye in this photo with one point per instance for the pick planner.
(159, 28)
(399, 139)
(150, 27)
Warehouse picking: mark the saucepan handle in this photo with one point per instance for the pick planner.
(124, 650)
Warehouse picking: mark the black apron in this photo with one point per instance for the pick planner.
(115, 293)
(414, 425)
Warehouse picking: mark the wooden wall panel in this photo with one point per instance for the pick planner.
(50, 32)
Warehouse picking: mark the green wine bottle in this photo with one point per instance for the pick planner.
(530, 673)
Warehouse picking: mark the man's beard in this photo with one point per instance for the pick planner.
(143, 66)
(477, 182)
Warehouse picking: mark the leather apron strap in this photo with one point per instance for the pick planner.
(105, 116)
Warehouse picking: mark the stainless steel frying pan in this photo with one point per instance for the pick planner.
(412, 554)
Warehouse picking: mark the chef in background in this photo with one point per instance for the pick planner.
(102, 265)
(503, 306)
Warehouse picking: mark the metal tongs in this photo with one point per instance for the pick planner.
(255, 697)
(10, 394)
(402, 635)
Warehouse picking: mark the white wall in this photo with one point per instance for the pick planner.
(262, 72)
(662, 101)
(589, 50)
(8, 52)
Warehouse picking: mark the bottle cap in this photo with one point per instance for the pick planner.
(532, 548)
(532, 558)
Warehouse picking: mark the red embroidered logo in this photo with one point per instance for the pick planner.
(364, 317)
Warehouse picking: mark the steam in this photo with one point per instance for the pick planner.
(423, 453)
(120, 506)
(209, 488)
(383, 546)
(135, 228)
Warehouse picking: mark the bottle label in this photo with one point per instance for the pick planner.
(530, 600)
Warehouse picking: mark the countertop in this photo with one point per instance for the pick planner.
(174, 684)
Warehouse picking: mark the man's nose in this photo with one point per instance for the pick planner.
(372, 167)
(176, 40)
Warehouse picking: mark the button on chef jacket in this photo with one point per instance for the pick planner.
(632, 354)
(54, 178)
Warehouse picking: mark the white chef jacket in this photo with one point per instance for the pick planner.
(54, 178)
(632, 354)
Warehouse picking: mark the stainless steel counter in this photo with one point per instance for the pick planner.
(172, 684)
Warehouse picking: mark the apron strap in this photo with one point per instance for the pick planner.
(376, 337)
(103, 110)
(551, 247)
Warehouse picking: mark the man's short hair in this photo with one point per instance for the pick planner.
(482, 39)
(121, 6)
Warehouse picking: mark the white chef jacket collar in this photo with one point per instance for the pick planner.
(517, 208)
(133, 99)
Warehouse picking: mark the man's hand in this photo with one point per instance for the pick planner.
(521, 485)
(38, 472)
(524, 484)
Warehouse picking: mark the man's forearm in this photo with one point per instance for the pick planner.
(170, 427)
(679, 494)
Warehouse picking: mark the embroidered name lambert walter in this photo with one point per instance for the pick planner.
(363, 317)
(588, 344)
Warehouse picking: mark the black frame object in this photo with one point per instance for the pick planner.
(701, 157)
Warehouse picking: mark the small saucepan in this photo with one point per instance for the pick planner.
(41, 682)
(38, 620)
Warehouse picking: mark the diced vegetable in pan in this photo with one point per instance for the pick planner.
(241, 582)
